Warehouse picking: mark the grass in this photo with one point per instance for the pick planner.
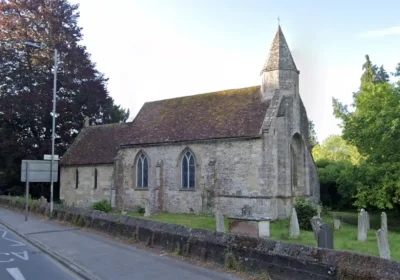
(344, 239)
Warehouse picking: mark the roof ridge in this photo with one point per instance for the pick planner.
(204, 93)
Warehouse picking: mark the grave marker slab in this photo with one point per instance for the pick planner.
(325, 237)
(219, 219)
(336, 224)
(384, 222)
(362, 226)
(294, 231)
(383, 244)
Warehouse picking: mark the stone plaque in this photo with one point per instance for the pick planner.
(325, 237)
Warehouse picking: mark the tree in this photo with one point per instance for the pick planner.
(312, 134)
(373, 126)
(335, 148)
(26, 81)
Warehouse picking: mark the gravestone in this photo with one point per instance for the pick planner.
(294, 231)
(383, 244)
(123, 212)
(367, 220)
(147, 209)
(384, 222)
(336, 224)
(219, 219)
(325, 237)
(316, 223)
(362, 226)
(319, 210)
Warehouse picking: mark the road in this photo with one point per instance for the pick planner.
(21, 261)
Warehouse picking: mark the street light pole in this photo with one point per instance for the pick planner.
(53, 135)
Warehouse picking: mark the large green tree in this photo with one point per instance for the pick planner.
(26, 81)
(372, 124)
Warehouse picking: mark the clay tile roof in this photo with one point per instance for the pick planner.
(224, 114)
(95, 145)
(279, 57)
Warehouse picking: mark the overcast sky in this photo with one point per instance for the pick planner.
(158, 49)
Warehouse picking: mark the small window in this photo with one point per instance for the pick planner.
(142, 172)
(188, 171)
(76, 178)
(95, 178)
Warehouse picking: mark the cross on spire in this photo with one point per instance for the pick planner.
(279, 21)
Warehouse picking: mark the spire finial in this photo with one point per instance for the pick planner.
(279, 21)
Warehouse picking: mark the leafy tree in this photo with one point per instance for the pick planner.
(26, 81)
(312, 135)
(335, 148)
(373, 126)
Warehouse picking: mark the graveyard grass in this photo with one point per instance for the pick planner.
(344, 239)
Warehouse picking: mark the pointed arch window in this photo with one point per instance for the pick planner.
(188, 171)
(142, 172)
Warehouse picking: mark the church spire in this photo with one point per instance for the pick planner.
(279, 71)
(279, 57)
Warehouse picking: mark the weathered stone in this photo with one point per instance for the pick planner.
(246, 210)
(294, 231)
(147, 209)
(367, 220)
(336, 223)
(383, 244)
(319, 210)
(362, 226)
(325, 237)
(263, 229)
(316, 223)
(123, 212)
(219, 220)
(384, 222)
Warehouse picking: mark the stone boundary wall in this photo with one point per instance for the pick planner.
(280, 260)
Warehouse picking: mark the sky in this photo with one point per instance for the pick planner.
(159, 49)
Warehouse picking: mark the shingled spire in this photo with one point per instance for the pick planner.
(279, 57)
(279, 71)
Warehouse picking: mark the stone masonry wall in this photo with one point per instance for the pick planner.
(85, 194)
(229, 175)
(279, 260)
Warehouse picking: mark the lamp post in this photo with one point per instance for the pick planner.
(53, 135)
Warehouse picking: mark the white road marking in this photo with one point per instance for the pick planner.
(17, 242)
(22, 255)
(16, 273)
(9, 260)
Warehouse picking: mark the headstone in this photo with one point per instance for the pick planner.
(219, 219)
(294, 225)
(263, 229)
(384, 222)
(383, 244)
(325, 237)
(336, 224)
(362, 226)
(123, 212)
(316, 223)
(367, 220)
(319, 210)
(147, 209)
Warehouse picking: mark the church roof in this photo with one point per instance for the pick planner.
(279, 57)
(223, 114)
(95, 144)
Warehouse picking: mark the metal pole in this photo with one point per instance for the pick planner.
(53, 130)
(26, 192)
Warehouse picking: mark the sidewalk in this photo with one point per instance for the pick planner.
(103, 257)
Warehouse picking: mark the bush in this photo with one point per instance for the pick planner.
(103, 205)
(305, 211)
(140, 209)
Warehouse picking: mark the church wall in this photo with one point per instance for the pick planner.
(228, 173)
(85, 194)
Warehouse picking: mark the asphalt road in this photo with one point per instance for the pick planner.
(21, 261)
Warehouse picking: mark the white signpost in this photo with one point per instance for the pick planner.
(37, 171)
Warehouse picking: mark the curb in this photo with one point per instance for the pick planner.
(63, 261)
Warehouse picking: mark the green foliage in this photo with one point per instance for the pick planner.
(335, 148)
(305, 211)
(373, 126)
(103, 205)
(312, 135)
(140, 209)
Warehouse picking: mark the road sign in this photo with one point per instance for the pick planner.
(38, 171)
(48, 157)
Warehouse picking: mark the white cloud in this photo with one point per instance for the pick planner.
(395, 30)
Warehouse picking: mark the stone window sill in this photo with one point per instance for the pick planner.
(187, 190)
(141, 189)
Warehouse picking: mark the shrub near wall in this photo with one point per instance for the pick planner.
(279, 260)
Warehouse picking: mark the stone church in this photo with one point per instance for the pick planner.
(195, 154)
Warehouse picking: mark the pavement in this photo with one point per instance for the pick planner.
(53, 251)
